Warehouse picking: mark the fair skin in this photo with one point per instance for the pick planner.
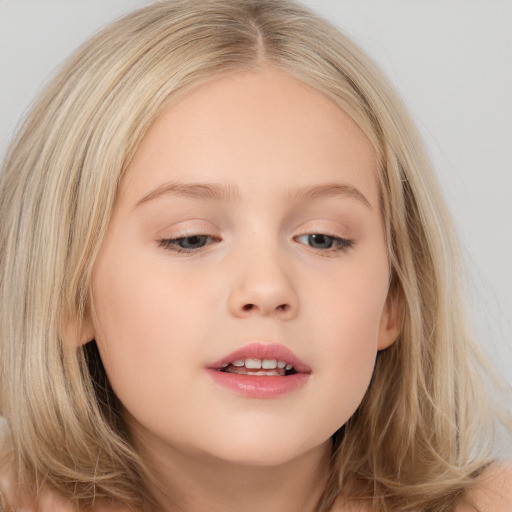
(251, 273)
(281, 244)
(293, 256)
(285, 247)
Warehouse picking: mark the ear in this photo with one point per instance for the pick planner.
(391, 320)
(75, 332)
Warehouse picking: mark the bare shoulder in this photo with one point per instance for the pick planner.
(492, 491)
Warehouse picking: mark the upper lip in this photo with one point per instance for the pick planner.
(263, 351)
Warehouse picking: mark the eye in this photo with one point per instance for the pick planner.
(325, 242)
(189, 243)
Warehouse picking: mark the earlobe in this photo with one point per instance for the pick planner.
(391, 320)
(75, 332)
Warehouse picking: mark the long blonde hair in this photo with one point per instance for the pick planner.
(415, 442)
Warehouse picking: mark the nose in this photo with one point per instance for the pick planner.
(262, 285)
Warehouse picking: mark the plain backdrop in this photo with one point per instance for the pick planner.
(451, 61)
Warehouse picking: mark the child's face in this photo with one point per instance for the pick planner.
(277, 163)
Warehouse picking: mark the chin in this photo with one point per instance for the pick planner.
(270, 452)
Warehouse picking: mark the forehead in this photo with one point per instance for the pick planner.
(263, 126)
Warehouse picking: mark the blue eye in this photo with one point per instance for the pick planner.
(325, 242)
(186, 243)
(320, 241)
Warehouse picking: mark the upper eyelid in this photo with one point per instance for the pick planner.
(185, 232)
(329, 224)
(217, 227)
(195, 231)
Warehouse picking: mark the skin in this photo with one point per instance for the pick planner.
(160, 316)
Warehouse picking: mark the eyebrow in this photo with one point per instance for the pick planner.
(230, 192)
(215, 191)
(327, 190)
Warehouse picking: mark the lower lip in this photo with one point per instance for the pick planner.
(266, 386)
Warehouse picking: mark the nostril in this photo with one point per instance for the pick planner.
(281, 307)
(250, 308)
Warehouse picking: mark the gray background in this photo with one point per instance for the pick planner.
(450, 60)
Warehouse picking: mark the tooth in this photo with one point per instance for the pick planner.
(288, 367)
(281, 364)
(238, 363)
(260, 373)
(253, 363)
(224, 365)
(269, 364)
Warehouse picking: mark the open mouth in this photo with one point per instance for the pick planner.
(261, 367)
(256, 370)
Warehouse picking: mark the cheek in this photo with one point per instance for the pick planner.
(350, 369)
(348, 318)
(142, 323)
(346, 372)
(139, 295)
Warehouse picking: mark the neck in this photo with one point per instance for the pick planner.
(192, 483)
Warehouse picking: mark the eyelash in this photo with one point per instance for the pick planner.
(339, 244)
(171, 244)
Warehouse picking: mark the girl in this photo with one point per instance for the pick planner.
(228, 282)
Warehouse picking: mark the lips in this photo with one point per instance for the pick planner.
(260, 370)
(262, 356)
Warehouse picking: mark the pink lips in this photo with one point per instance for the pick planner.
(264, 386)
